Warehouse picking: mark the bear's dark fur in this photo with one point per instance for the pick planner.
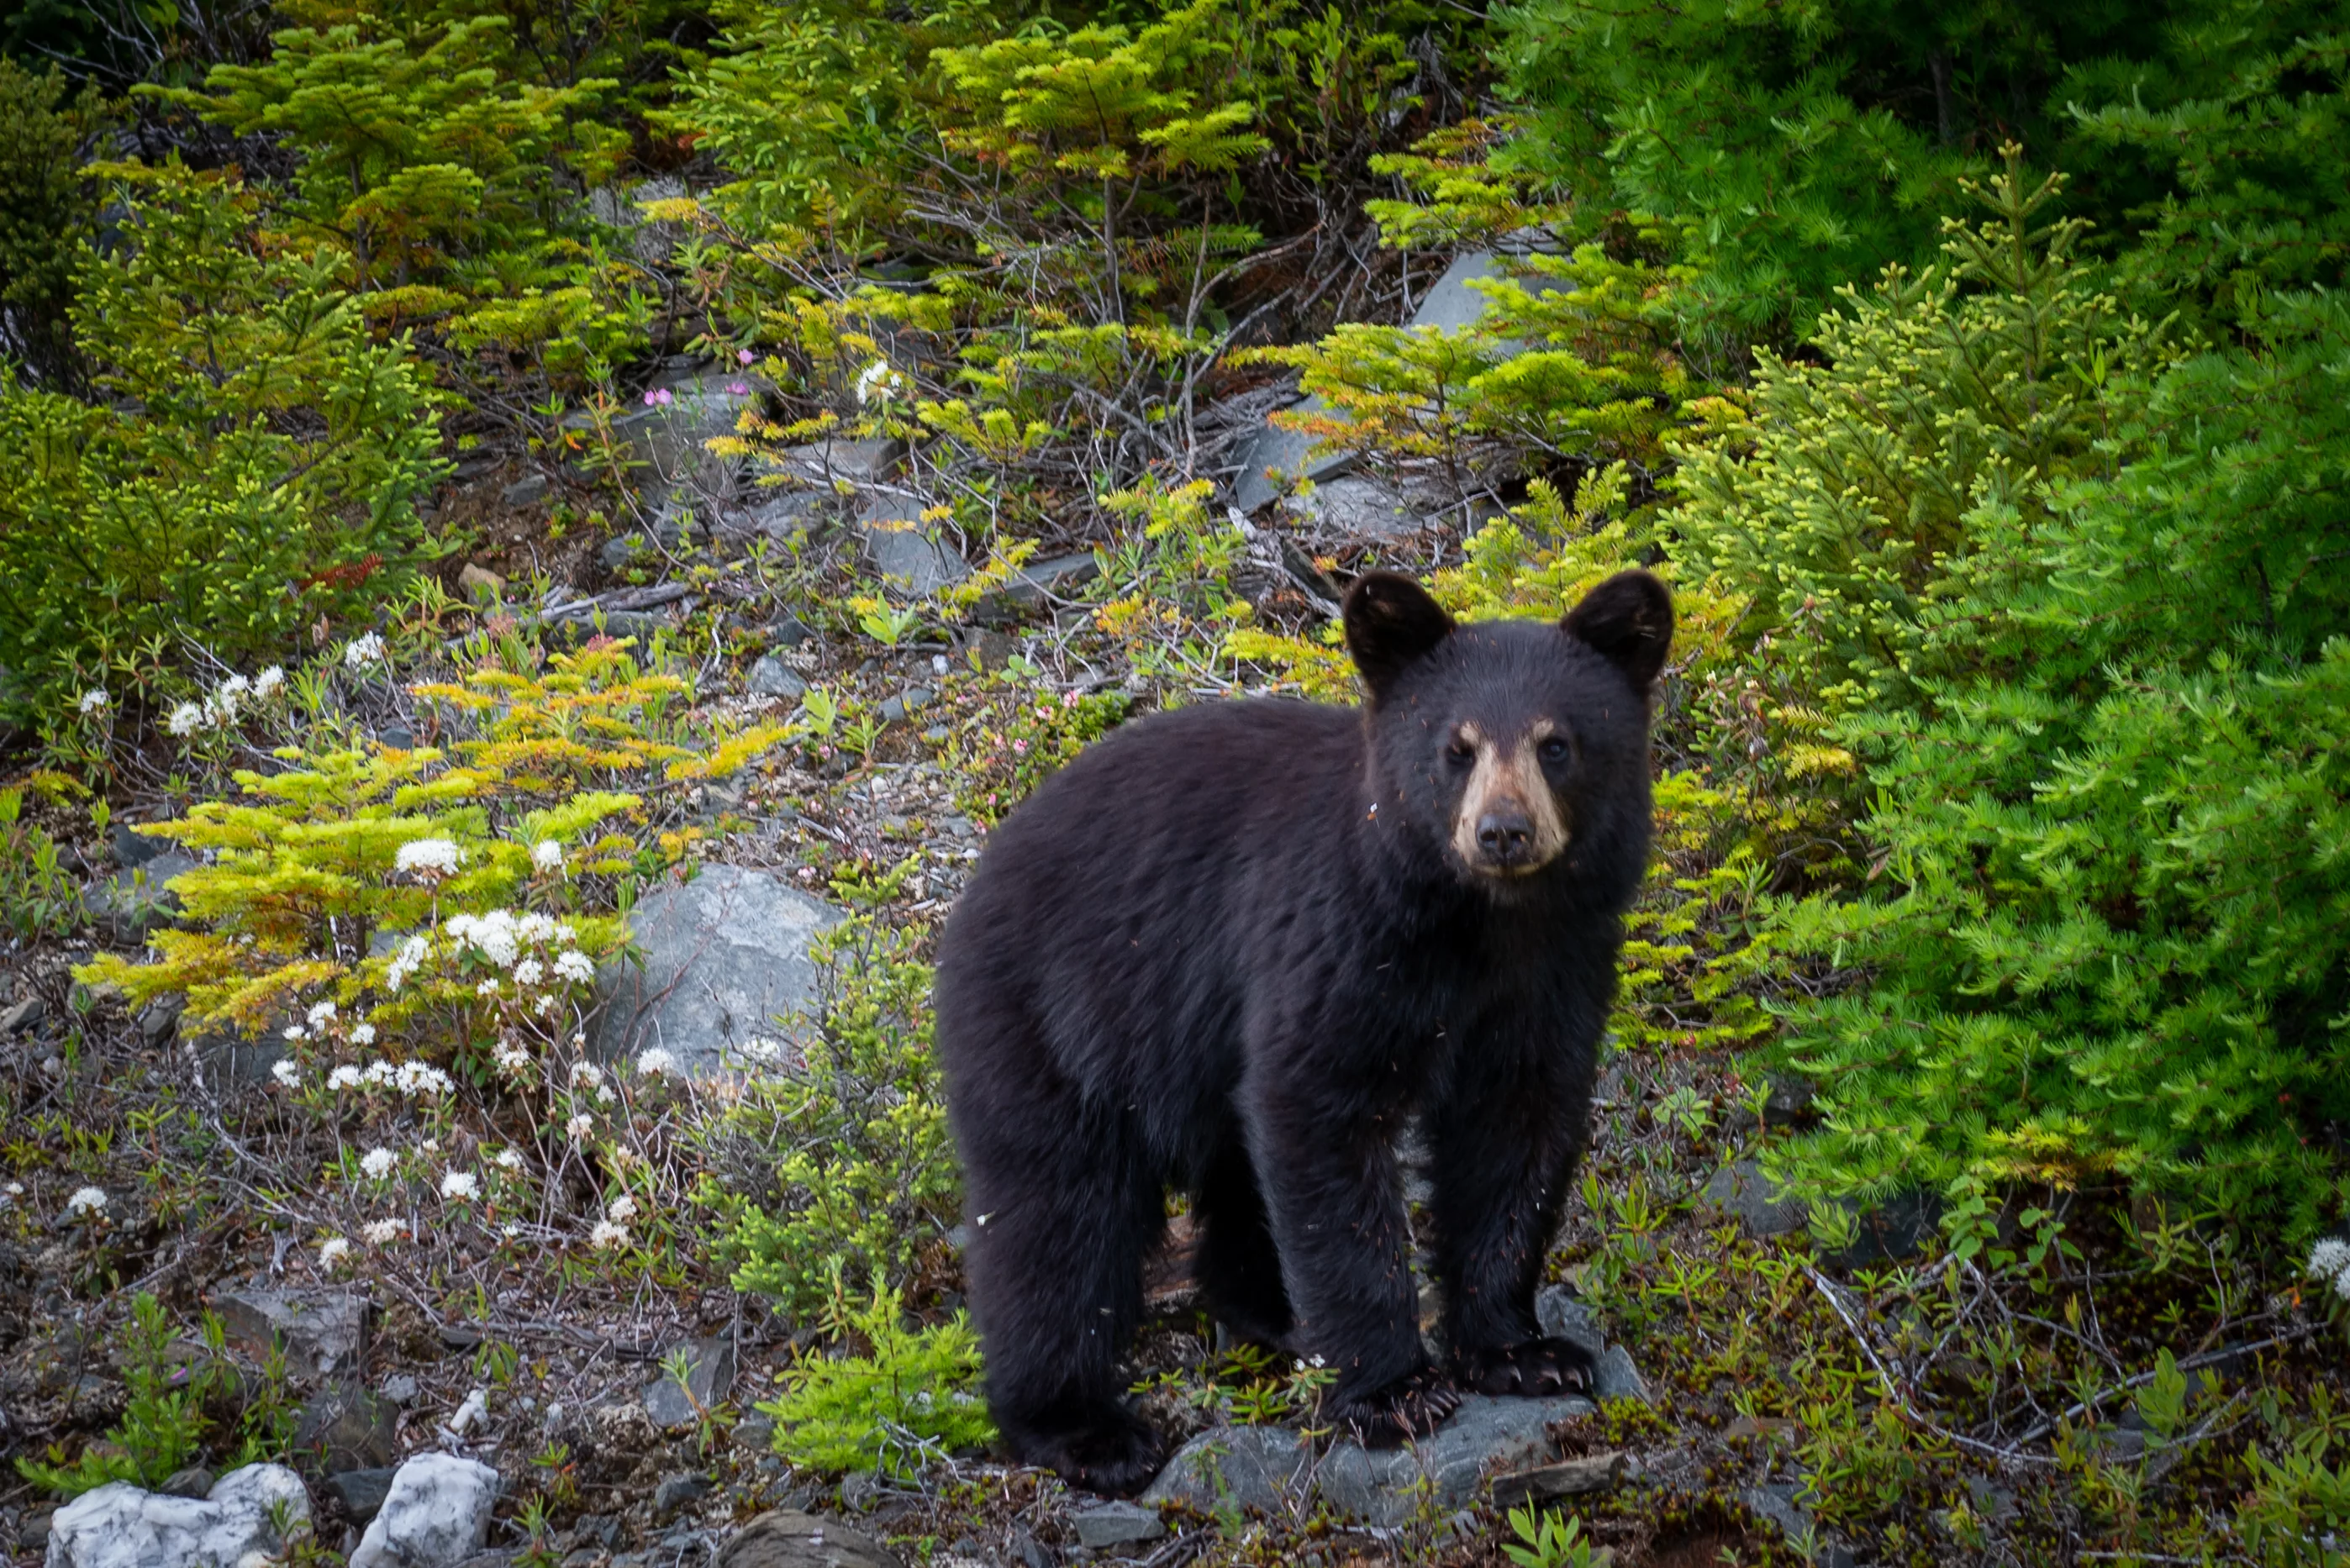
(1230, 948)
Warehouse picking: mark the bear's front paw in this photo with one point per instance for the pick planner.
(1117, 1459)
(1534, 1367)
(1411, 1406)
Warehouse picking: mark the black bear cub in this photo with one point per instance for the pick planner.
(1232, 948)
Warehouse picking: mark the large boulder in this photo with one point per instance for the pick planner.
(724, 958)
(121, 1526)
(436, 1515)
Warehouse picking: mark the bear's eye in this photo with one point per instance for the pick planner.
(1553, 749)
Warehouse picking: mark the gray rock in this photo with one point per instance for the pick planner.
(1293, 453)
(675, 1491)
(786, 630)
(724, 957)
(324, 1333)
(907, 553)
(708, 1378)
(132, 849)
(668, 440)
(194, 1481)
(825, 464)
(1035, 584)
(1117, 1524)
(771, 678)
(1380, 1487)
(232, 1057)
(787, 1538)
(400, 1389)
(1272, 1470)
(1892, 1229)
(775, 513)
(435, 1514)
(158, 1021)
(1777, 1504)
(134, 901)
(916, 698)
(1741, 1191)
(1450, 303)
(892, 710)
(361, 1492)
(120, 1526)
(23, 1014)
(1353, 507)
(524, 491)
(1259, 1468)
(621, 549)
(346, 1428)
(1612, 1375)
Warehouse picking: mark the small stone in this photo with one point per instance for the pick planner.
(22, 1015)
(400, 1389)
(1756, 1427)
(346, 1428)
(893, 710)
(916, 698)
(675, 1491)
(478, 583)
(120, 1526)
(133, 902)
(1613, 1377)
(133, 849)
(786, 630)
(938, 734)
(323, 1332)
(1117, 1524)
(1777, 1504)
(361, 1492)
(709, 1377)
(194, 1481)
(1741, 1191)
(787, 1538)
(622, 548)
(435, 1513)
(527, 491)
(770, 678)
(157, 1021)
(1892, 1230)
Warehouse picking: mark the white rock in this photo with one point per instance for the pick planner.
(120, 1526)
(436, 1515)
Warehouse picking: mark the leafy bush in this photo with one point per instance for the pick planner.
(2117, 946)
(836, 1160)
(47, 215)
(249, 470)
(910, 1400)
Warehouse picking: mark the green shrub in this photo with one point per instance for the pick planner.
(2117, 944)
(47, 215)
(249, 468)
(836, 1160)
(910, 1400)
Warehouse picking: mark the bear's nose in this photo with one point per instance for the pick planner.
(1505, 836)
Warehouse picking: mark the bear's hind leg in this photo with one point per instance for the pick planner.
(1060, 1217)
(1234, 1261)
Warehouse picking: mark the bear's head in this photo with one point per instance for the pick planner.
(1517, 745)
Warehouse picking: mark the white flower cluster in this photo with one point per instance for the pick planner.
(460, 1187)
(656, 1063)
(88, 1200)
(877, 381)
(94, 701)
(332, 1251)
(2329, 1261)
(216, 712)
(546, 857)
(382, 1232)
(429, 857)
(406, 961)
(409, 1078)
(362, 652)
(518, 943)
(379, 1162)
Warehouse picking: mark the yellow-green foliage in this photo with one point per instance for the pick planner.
(910, 1401)
(306, 869)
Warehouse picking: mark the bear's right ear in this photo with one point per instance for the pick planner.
(1391, 624)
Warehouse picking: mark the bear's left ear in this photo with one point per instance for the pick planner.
(1629, 619)
(1390, 623)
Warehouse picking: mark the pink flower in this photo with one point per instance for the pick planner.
(738, 389)
(658, 398)
(744, 357)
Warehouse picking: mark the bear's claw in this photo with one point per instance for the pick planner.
(1117, 1460)
(1534, 1369)
(1412, 1407)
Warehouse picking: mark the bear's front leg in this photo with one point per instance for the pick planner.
(1330, 1194)
(1504, 1144)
